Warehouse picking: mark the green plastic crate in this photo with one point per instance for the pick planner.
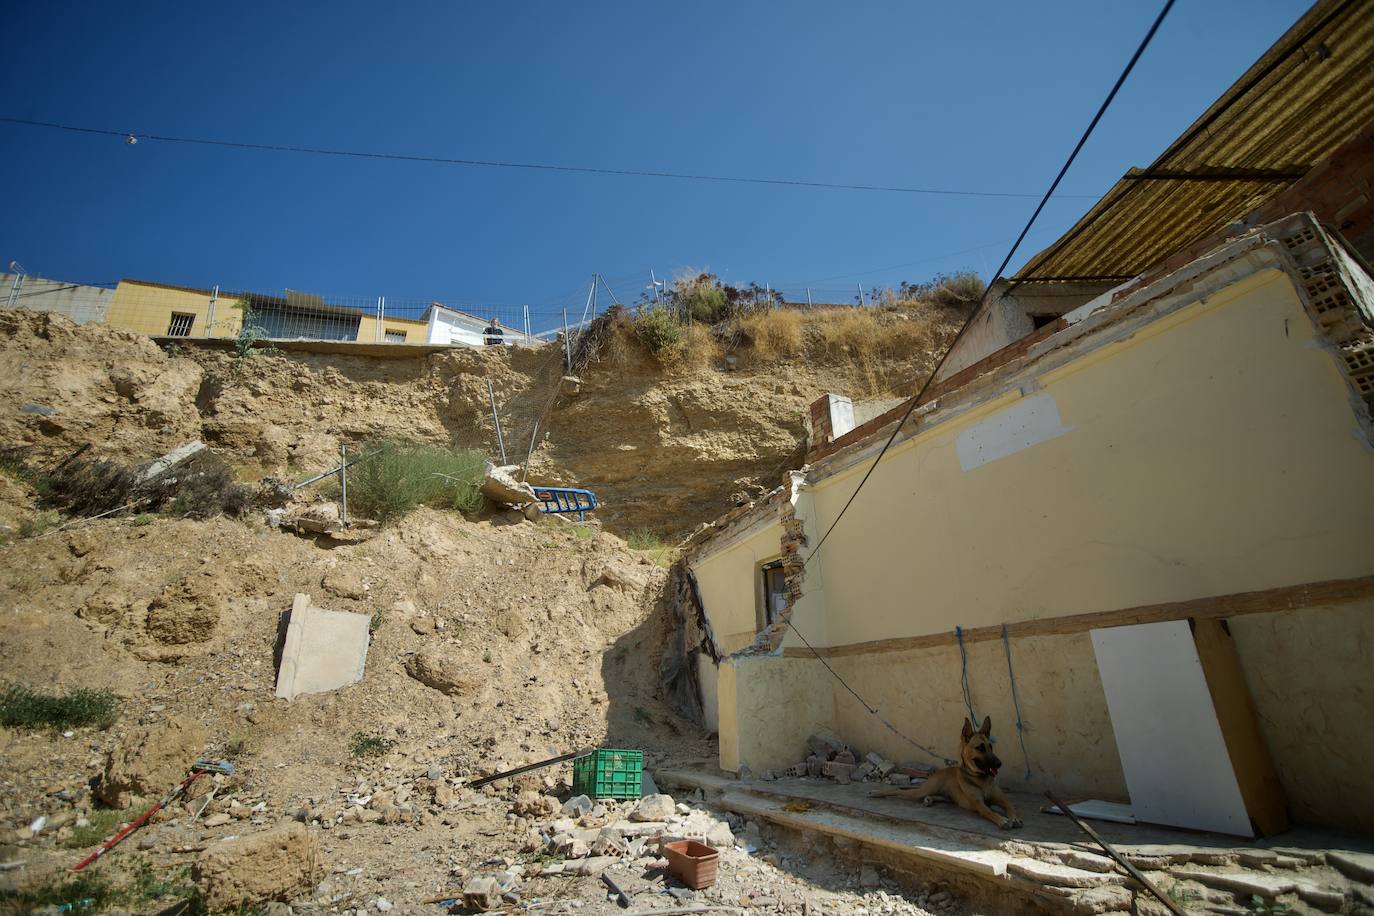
(608, 772)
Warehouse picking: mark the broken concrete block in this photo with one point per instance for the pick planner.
(177, 456)
(501, 487)
(823, 748)
(882, 765)
(864, 770)
(837, 770)
(813, 766)
(846, 756)
(482, 893)
(577, 806)
(324, 650)
(898, 779)
(321, 518)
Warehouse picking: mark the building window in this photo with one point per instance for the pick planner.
(774, 594)
(181, 325)
(393, 336)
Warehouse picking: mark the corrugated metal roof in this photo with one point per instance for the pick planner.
(1310, 92)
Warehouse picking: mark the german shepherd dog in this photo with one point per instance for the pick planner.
(972, 785)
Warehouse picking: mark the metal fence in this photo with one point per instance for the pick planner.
(168, 311)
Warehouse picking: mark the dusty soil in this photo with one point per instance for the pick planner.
(664, 448)
(496, 642)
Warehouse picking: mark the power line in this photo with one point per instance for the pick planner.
(492, 163)
(911, 406)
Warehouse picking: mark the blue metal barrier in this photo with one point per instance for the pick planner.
(565, 500)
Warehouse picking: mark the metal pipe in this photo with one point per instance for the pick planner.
(210, 313)
(1130, 869)
(500, 440)
(343, 481)
(567, 343)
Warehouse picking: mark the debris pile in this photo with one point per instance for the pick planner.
(832, 759)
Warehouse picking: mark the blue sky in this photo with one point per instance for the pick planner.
(986, 97)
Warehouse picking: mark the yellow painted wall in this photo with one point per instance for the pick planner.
(147, 309)
(1215, 451)
(769, 705)
(1310, 676)
(415, 331)
(729, 588)
(1069, 740)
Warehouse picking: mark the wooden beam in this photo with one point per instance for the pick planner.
(1329, 593)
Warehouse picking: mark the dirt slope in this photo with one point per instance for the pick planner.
(664, 448)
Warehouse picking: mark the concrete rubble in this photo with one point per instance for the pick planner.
(324, 650)
(832, 759)
(169, 462)
(502, 487)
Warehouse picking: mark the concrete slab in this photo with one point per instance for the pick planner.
(1061, 875)
(1250, 883)
(903, 838)
(1358, 866)
(177, 456)
(324, 650)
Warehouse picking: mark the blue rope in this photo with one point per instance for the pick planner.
(1020, 728)
(963, 657)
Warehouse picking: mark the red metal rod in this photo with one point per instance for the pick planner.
(115, 840)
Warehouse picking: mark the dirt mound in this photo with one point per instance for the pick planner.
(149, 761)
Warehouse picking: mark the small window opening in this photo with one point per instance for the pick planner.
(181, 325)
(775, 595)
(394, 336)
(1041, 320)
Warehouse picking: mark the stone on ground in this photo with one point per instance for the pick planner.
(434, 667)
(276, 864)
(654, 808)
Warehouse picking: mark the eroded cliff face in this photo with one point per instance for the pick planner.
(664, 448)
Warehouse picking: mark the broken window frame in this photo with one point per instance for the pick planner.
(766, 612)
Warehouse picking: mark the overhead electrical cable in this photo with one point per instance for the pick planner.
(493, 163)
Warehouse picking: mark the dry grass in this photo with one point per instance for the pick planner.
(776, 335)
(696, 349)
(880, 344)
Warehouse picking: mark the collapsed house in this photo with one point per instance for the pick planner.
(1134, 528)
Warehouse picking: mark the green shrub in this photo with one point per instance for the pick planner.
(398, 476)
(22, 707)
(706, 303)
(369, 745)
(13, 462)
(35, 525)
(643, 539)
(103, 824)
(659, 331)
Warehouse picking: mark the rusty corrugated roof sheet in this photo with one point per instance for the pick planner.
(1307, 94)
